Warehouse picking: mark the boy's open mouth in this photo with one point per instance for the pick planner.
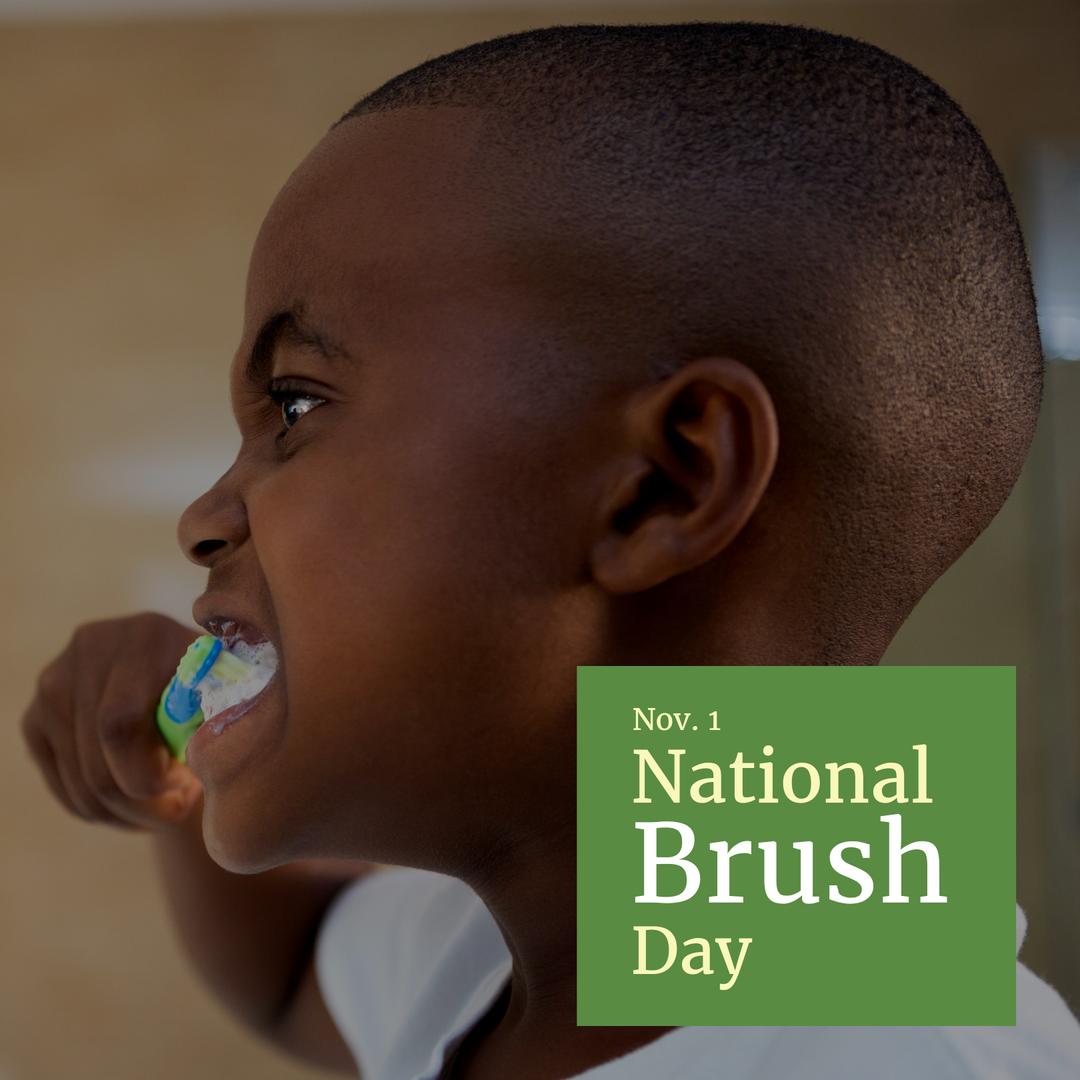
(225, 700)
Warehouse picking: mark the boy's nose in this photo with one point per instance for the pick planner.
(212, 526)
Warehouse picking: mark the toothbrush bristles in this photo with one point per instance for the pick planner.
(229, 668)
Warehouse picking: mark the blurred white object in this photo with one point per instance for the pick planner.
(167, 585)
(1054, 239)
(161, 479)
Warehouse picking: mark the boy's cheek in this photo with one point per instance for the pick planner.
(397, 592)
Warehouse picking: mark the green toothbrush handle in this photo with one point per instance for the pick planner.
(179, 711)
(176, 735)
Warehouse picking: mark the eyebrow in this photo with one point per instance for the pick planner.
(290, 327)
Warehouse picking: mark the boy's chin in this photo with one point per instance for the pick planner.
(243, 845)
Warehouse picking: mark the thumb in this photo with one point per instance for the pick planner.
(178, 775)
(181, 792)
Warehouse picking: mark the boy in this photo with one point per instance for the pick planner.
(690, 344)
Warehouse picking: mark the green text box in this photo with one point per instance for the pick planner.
(873, 962)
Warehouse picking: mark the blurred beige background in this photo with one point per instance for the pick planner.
(136, 162)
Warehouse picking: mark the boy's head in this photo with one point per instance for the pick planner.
(703, 343)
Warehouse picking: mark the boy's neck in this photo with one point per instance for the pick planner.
(530, 1031)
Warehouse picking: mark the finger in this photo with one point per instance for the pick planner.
(44, 725)
(92, 657)
(101, 782)
(42, 752)
(62, 740)
(131, 743)
(54, 681)
(61, 725)
(43, 755)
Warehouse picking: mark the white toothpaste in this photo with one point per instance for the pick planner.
(217, 696)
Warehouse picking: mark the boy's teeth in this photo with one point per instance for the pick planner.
(230, 631)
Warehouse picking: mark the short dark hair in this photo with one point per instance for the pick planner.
(810, 204)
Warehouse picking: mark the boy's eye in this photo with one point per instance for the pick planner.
(294, 400)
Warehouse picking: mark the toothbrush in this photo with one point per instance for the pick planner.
(179, 712)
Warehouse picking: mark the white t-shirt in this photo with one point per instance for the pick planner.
(409, 960)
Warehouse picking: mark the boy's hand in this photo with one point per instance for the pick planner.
(91, 727)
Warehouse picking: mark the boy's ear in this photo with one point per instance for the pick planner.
(702, 447)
